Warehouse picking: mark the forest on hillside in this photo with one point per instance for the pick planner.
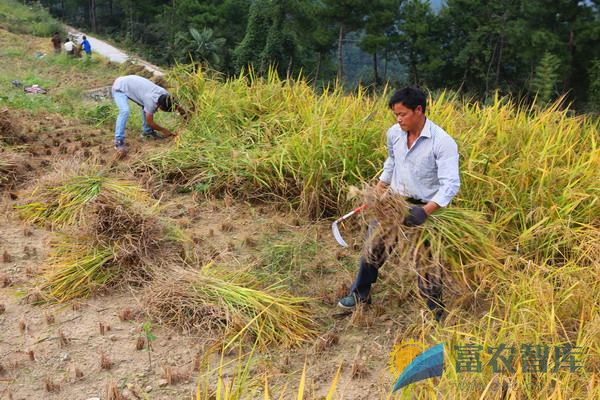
(520, 47)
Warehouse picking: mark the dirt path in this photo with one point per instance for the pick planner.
(112, 53)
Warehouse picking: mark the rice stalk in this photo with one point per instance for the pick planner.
(229, 302)
(12, 166)
(65, 204)
(76, 269)
(532, 172)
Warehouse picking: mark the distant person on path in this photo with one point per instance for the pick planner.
(56, 42)
(422, 166)
(86, 46)
(147, 95)
(69, 47)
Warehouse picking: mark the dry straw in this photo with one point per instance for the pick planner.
(112, 234)
(12, 166)
(63, 198)
(230, 302)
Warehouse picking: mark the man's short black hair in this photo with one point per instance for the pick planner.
(166, 103)
(411, 97)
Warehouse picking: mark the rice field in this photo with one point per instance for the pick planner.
(523, 233)
(520, 244)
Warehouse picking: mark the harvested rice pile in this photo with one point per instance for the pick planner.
(230, 303)
(110, 234)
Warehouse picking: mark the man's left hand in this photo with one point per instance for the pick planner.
(416, 216)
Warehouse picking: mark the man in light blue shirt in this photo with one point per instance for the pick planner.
(422, 166)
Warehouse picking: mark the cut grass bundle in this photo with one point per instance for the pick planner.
(115, 248)
(388, 212)
(76, 269)
(115, 234)
(232, 302)
(64, 204)
(459, 237)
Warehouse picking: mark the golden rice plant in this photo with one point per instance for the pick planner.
(234, 302)
(463, 242)
(76, 268)
(241, 386)
(276, 139)
(64, 203)
(524, 230)
(532, 172)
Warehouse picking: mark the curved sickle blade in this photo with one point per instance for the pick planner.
(336, 231)
(337, 235)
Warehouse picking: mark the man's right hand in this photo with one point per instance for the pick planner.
(381, 189)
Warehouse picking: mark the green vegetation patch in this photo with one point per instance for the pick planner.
(30, 19)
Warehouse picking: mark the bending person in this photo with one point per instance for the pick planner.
(147, 95)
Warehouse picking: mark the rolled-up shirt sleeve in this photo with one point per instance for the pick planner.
(388, 165)
(447, 172)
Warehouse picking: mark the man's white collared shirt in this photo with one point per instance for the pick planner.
(428, 171)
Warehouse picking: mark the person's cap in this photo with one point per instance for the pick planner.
(166, 103)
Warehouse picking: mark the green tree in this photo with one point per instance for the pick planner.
(594, 91)
(286, 45)
(200, 46)
(346, 16)
(417, 43)
(249, 51)
(279, 33)
(546, 78)
(380, 27)
(227, 19)
(474, 42)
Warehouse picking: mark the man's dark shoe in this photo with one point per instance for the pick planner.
(436, 308)
(120, 145)
(152, 135)
(349, 302)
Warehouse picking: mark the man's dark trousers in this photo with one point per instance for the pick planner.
(430, 285)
